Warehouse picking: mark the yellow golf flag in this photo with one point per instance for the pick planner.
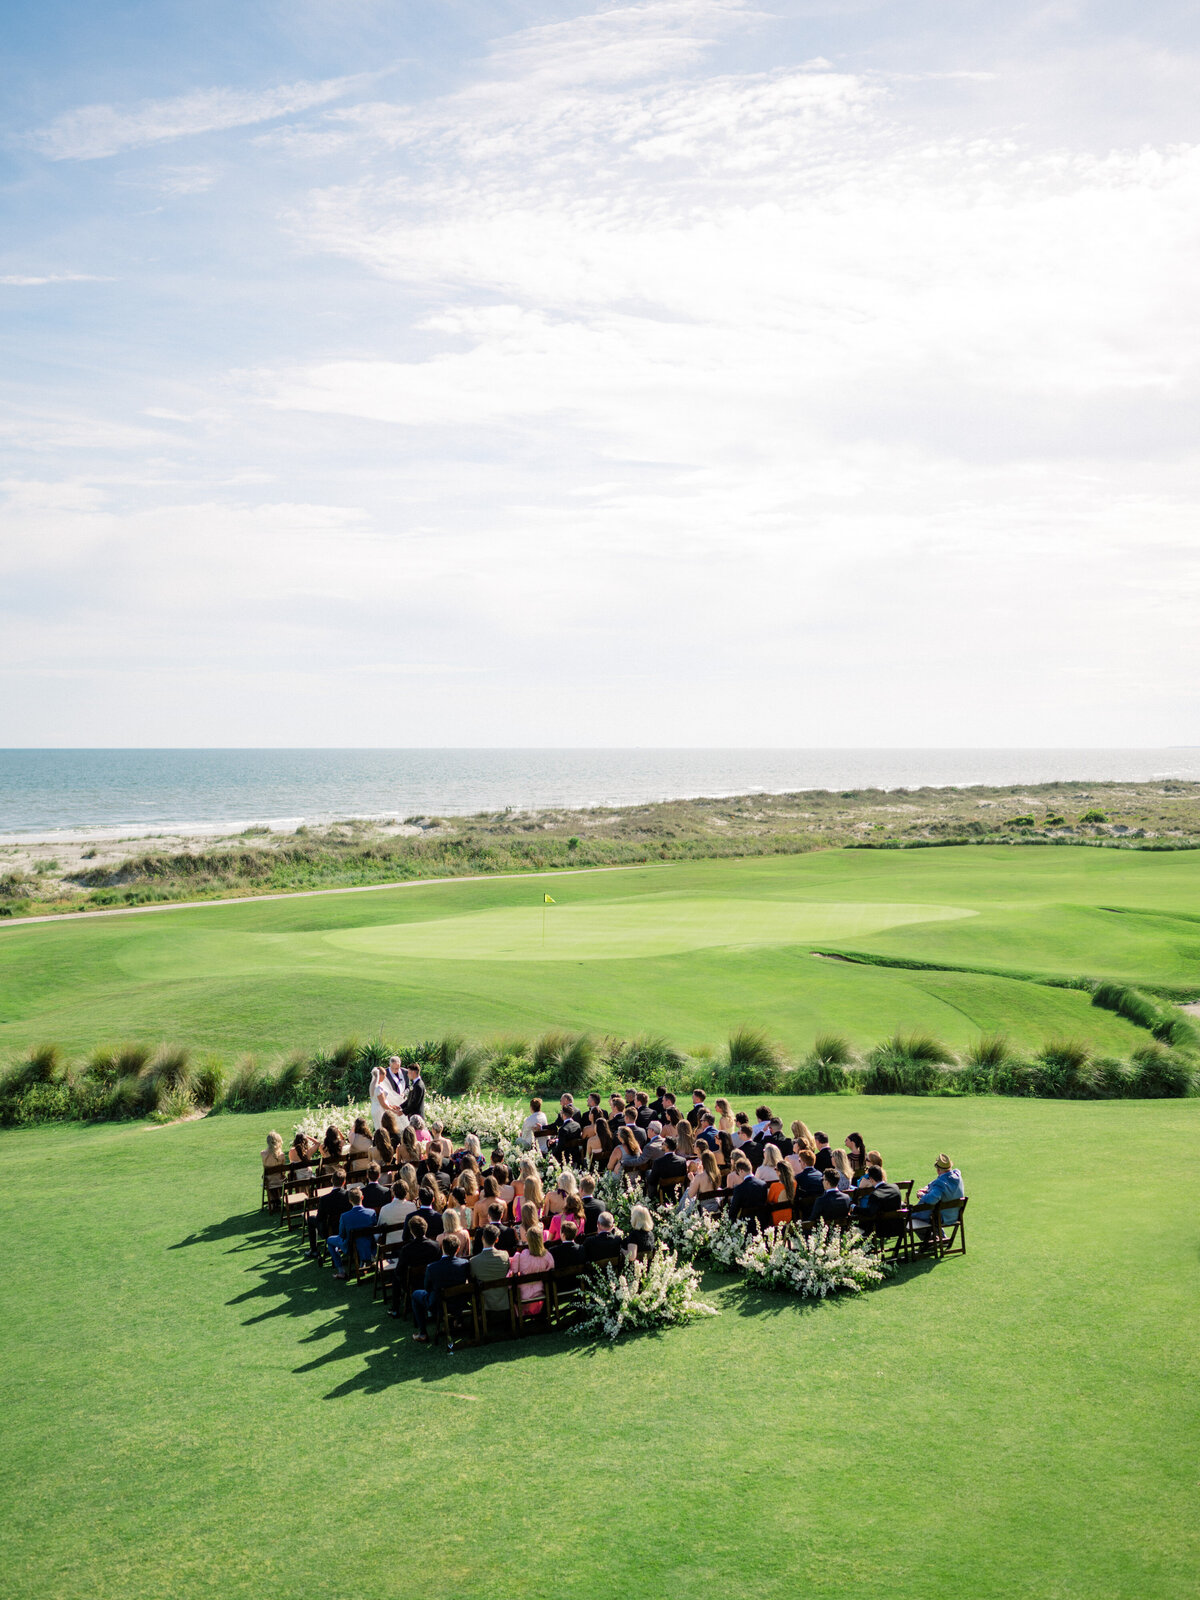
(550, 902)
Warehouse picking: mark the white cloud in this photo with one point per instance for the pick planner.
(90, 132)
(20, 280)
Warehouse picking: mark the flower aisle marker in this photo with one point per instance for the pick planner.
(659, 1293)
(825, 1262)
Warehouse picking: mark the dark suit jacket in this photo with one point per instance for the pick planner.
(832, 1208)
(414, 1100)
(417, 1253)
(375, 1196)
(695, 1114)
(592, 1209)
(330, 1210)
(443, 1274)
(810, 1182)
(823, 1160)
(432, 1219)
(748, 1199)
(879, 1201)
(568, 1253)
(601, 1247)
(668, 1166)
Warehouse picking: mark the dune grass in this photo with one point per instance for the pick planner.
(191, 1410)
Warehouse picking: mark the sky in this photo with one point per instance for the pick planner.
(666, 372)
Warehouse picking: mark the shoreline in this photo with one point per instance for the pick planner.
(87, 870)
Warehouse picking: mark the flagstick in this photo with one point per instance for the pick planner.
(543, 924)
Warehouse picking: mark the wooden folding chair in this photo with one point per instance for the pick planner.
(532, 1321)
(273, 1179)
(358, 1264)
(293, 1200)
(566, 1297)
(952, 1240)
(459, 1316)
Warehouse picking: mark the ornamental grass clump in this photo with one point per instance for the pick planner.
(826, 1261)
(641, 1295)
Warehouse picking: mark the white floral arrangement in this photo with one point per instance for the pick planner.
(659, 1293)
(491, 1121)
(826, 1261)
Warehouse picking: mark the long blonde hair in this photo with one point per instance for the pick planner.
(534, 1193)
(535, 1241)
(802, 1136)
(275, 1146)
(842, 1162)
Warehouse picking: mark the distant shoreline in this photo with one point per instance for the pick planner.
(116, 869)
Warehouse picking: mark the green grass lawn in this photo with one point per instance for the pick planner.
(191, 1409)
(686, 949)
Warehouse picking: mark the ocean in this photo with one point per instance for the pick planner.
(109, 793)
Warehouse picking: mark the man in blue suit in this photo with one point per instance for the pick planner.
(749, 1200)
(439, 1275)
(358, 1216)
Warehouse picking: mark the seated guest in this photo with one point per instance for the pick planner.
(768, 1168)
(948, 1185)
(534, 1195)
(705, 1182)
(416, 1253)
(526, 1218)
(739, 1172)
(375, 1194)
(483, 1201)
(706, 1132)
(420, 1132)
(556, 1200)
(762, 1121)
(568, 1251)
(724, 1117)
(840, 1163)
(391, 1126)
(875, 1200)
(407, 1149)
(397, 1211)
(593, 1210)
(741, 1129)
(641, 1106)
(824, 1156)
(777, 1136)
(439, 1276)
(781, 1194)
(685, 1136)
(809, 1184)
(573, 1212)
(274, 1156)
(426, 1213)
(670, 1121)
(616, 1108)
(639, 1241)
(600, 1140)
(857, 1151)
(833, 1206)
(533, 1258)
(532, 1127)
(630, 1121)
(330, 1209)
(505, 1188)
(627, 1153)
(748, 1199)
(333, 1144)
(385, 1152)
(301, 1156)
(455, 1226)
(658, 1104)
(361, 1138)
(668, 1167)
(669, 1105)
(470, 1147)
(590, 1112)
(338, 1244)
(698, 1099)
(491, 1265)
(801, 1135)
(603, 1246)
(724, 1151)
(466, 1189)
(510, 1241)
(653, 1147)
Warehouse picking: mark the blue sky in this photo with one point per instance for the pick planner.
(689, 372)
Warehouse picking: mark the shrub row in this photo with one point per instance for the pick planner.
(167, 1083)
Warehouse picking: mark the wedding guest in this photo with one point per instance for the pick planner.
(491, 1266)
(416, 1253)
(824, 1157)
(857, 1152)
(724, 1117)
(592, 1208)
(441, 1275)
(572, 1212)
(338, 1244)
(375, 1194)
(533, 1258)
(568, 1251)
(840, 1163)
(639, 1241)
(706, 1181)
(781, 1193)
(361, 1138)
(833, 1206)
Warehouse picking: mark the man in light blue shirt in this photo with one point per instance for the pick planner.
(948, 1185)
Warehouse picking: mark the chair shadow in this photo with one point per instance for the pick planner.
(382, 1348)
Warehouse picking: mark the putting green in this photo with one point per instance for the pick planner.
(598, 932)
